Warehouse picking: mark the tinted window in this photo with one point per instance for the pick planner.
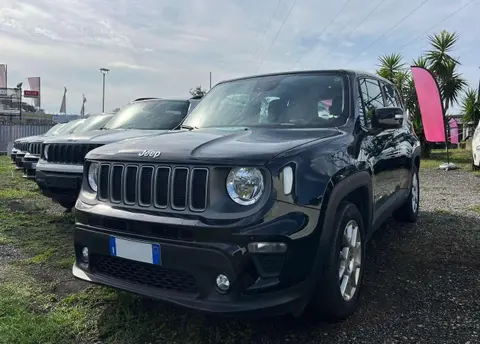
(93, 123)
(54, 130)
(155, 114)
(193, 103)
(276, 100)
(390, 99)
(372, 98)
(69, 127)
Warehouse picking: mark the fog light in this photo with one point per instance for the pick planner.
(223, 282)
(85, 254)
(267, 247)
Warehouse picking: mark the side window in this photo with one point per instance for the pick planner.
(390, 96)
(264, 109)
(372, 97)
(398, 99)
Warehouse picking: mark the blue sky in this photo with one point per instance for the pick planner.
(163, 48)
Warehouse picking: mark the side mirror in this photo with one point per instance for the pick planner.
(387, 118)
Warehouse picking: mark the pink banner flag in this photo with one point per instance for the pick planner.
(430, 103)
(453, 130)
(3, 76)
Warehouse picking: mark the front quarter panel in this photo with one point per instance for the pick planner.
(316, 166)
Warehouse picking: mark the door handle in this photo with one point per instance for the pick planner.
(399, 117)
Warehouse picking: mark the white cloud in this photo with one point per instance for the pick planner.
(164, 48)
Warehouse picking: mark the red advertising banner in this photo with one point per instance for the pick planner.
(31, 94)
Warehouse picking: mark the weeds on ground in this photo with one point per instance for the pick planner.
(461, 157)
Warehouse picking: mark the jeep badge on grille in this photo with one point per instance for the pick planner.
(150, 153)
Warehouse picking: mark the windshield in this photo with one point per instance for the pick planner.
(93, 123)
(193, 104)
(155, 114)
(54, 130)
(69, 127)
(294, 100)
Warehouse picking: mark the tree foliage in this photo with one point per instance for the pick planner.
(198, 91)
(439, 60)
(471, 106)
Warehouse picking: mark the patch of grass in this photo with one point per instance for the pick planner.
(475, 209)
(42, 257)
(27, 314)
(461, 157)
(443, 211)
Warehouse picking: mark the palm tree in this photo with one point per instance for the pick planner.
(471, 106)
(451, 84)
(390, 66)
(444, 66)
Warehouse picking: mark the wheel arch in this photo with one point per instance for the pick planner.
(352, 188)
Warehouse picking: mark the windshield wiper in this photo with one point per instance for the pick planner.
(189, 127)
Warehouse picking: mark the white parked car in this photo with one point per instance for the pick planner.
(476, 148)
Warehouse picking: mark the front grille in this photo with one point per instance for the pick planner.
(35, 148)
(68, 153)
(162, 187)
(22, 146)
(145, 274)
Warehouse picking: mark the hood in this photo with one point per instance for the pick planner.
(103, 136)
(30, 138)
(221, 146)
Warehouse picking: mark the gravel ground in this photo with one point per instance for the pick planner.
(422, 281)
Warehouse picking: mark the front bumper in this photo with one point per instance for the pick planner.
(62, 183)
(29, 166)
(261, 284)
(13, 155)
(19, 160)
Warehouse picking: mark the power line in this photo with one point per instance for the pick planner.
(266, 31)
(278, 32)
(355, 28)
(325, 29)
(438, 23)
(389, 30)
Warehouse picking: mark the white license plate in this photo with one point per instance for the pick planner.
(135, 250)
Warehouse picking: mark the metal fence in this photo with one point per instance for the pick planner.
(9, 133)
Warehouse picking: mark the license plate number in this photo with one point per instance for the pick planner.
(135, 250)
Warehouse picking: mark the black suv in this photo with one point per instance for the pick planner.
(263, 203)
(59, 170)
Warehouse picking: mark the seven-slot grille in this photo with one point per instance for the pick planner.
(177, 188)
(35, 148)
(22, 146)
(68, 153)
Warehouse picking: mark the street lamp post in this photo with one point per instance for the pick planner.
(104, 72)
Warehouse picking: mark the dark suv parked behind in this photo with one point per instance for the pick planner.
(264, 203)
(92, 122)
(20, 145)
(59, 171)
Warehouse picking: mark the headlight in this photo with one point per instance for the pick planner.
(245, 185)
(45, 152)
(93, 176)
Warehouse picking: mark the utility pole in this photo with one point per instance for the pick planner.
(104, 72)
(210, 80)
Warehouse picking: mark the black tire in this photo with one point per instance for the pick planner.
(407, 213)
(327, 301)
(67, 204)
(475, 167)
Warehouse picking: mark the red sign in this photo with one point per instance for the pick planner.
(31, 94)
